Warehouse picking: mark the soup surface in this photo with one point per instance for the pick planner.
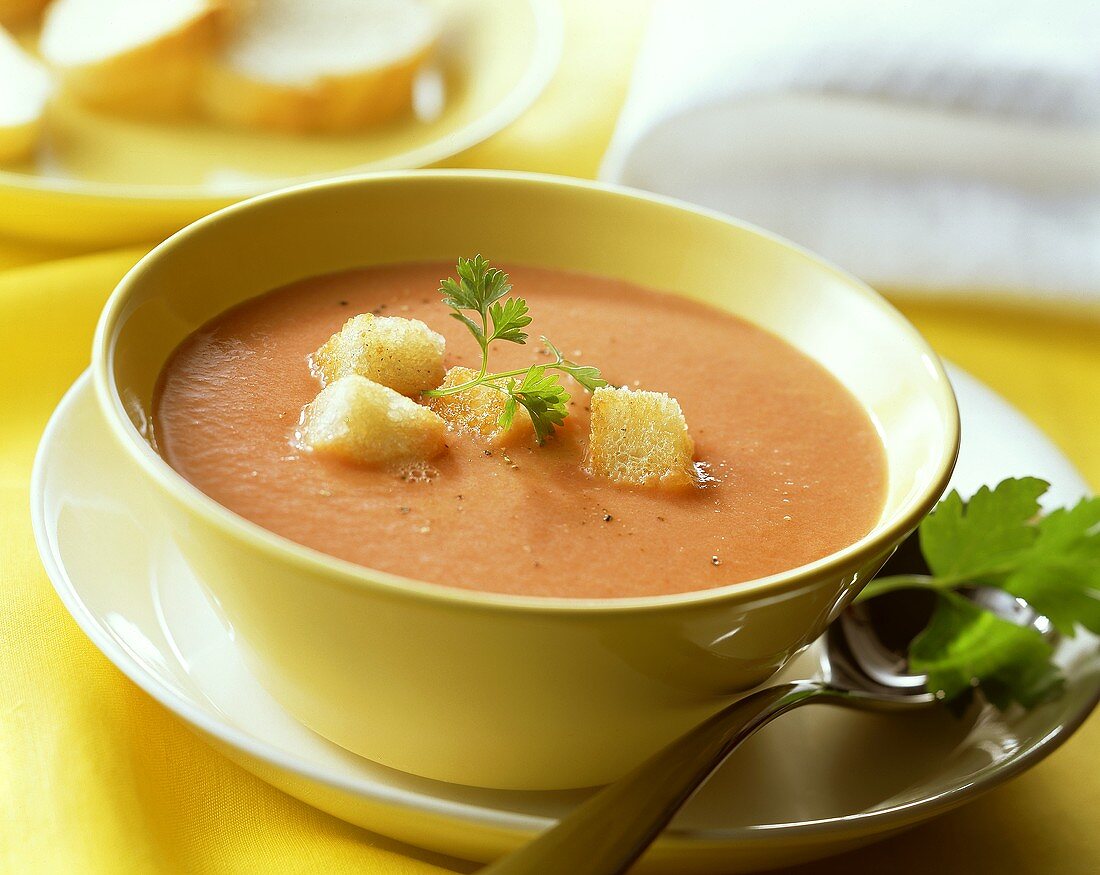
(798, 468)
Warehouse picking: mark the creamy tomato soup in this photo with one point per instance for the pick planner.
(798, 470)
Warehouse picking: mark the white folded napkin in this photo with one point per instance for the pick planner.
(926, 145)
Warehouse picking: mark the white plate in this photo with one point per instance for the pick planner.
(815, 783)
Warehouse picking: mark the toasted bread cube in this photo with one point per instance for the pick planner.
(639, 438)
(404, 354)
(371, 424)
(478, 409)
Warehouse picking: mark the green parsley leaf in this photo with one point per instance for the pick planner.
(508, 414)
(587, 375)
(475, 329)
(478, 286)
(974, 537)
(508, 318)
(1059, 575)
(965, 645)
(544, 398)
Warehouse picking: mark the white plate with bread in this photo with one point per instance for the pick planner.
(128, 118)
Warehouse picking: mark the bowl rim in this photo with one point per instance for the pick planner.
(880, 539)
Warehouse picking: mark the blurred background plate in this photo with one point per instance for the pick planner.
(100, 180)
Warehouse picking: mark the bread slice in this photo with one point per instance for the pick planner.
(131, 56)
(370, 424)
(639, 438)
(404, 354)
(19, 11)
(24, 89)
(319, 65)
(478, 410)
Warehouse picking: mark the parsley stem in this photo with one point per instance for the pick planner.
(480, 379)
(484, 379)
(882, 585)
(484, 341)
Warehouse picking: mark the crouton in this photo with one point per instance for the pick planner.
(140, 57)
(321, 65)
(23, 94)
(404, 354)
(639, 438)
(478, 409)
(370, 424)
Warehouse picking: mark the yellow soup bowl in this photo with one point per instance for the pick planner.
(492, 689)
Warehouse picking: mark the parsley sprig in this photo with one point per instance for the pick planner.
(481, 290)
(999, 539)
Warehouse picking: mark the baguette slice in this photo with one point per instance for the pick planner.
(140, 57)
(319, 66)
(19, 11)
(24, 88)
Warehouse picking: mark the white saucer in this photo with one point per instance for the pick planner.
(815, 783)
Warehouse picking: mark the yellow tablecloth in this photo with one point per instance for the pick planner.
(97, 778)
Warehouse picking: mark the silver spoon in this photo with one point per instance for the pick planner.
(610, 830)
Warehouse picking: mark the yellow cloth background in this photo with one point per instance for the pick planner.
(97, 778)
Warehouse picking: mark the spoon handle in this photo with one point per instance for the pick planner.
(610, 830)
